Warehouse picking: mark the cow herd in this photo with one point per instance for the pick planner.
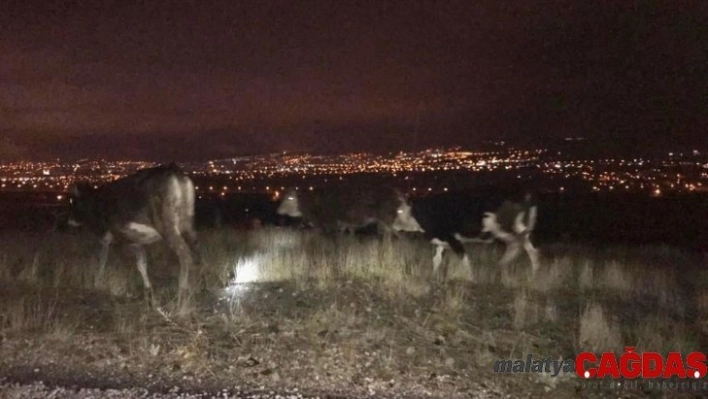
(159, 204)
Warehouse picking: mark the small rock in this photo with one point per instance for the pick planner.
(410, 350)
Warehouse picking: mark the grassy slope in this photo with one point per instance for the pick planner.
(351, 314)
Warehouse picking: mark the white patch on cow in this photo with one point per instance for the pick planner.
(177, 200)
(490, 224)
(439, 243)
(290, 206)
(517, 238)
(73, 222)
(404, 219)
(533, 254)
(512, 251)
(519, 226)
(143, 232)
(175, 190)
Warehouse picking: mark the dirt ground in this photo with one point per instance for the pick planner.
(375, 332)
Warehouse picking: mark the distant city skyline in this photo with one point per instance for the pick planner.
(181, 81)
(421, 173)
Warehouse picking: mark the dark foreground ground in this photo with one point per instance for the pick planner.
(278, 312)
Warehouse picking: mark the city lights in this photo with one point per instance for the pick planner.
(257, 173)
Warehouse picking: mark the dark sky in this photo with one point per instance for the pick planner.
(185, 80)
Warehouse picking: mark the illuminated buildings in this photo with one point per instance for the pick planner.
(270, 173)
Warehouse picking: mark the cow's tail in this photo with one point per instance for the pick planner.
(477, 240)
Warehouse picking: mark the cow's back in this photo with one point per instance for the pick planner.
(462, 212)
(367, 204)
(153, 197)
(354, 206)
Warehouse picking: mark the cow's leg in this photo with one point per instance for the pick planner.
(440, 247)
(179, 246)
(141, 260)
(187, 230)
(176, 222)
(532, 252)
(103, 257)
(190, 237)
(513, 247)
(491, 224)
(459, 249)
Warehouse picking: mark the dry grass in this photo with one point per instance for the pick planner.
(526, 313)
(597, 332)
(557, 275)
(33, 314)
(660, 334)
(585, 278)
(276, 291)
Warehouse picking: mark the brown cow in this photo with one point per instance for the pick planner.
(151, 205)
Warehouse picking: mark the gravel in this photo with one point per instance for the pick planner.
(38, 389)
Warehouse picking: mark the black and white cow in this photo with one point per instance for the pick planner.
(344, 209)
(450, 219)
(151, 205)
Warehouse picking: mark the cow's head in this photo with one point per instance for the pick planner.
(405, 221)
(290, 205)
(81, 204)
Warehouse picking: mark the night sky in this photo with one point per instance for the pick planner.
(182, 80)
